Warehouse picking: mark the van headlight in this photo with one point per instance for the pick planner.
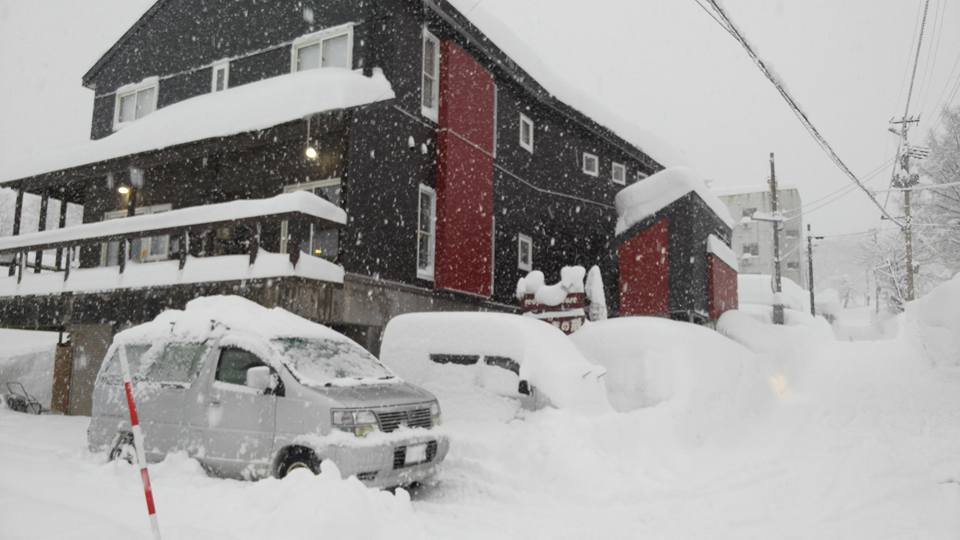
(360, 423)
(435, 413)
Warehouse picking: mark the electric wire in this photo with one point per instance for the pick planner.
(795, 107)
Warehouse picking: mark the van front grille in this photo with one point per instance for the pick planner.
(400, 455)
(415, 418)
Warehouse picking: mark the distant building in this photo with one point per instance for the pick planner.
(753, 240)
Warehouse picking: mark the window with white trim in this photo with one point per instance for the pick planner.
(430, 82)
(524, 252)
(526, 133)
(591, 164)
(318, 242)
(135, 102)
(221, 77)
(426, 232)
(618, 173)
(332, 47)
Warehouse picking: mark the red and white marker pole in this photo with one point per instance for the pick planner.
(138, 441)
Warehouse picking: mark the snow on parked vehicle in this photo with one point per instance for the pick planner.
(656, 362)
(447, 353)
(253, 392)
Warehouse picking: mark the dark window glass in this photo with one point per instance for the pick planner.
(234, 364)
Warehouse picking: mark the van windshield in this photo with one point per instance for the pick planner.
(318, 361)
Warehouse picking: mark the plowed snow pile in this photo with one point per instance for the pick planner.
(779, 432)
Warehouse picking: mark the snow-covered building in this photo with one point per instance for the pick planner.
(753, 240)
(440, 168)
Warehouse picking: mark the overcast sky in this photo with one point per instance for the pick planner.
(664, 65)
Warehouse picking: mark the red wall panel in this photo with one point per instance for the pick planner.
(644, 271)
(464, 173)
(722, 284)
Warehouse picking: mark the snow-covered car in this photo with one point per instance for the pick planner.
(252, 392)
(543, 358)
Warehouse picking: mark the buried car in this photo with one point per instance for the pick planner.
(548, 368)
(252, 392)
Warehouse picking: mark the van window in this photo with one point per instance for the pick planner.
(135, 354)
(234, 364)
(179, 363)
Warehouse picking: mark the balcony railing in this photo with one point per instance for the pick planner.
(246, 260)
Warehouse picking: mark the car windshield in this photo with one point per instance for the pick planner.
(318, 361)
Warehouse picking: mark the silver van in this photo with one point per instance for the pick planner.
(252, 392)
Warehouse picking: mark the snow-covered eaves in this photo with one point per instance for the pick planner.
(250, 107)
(299, 202)
(168, 273)
(718, 247)
(650, 195)
(531, 62)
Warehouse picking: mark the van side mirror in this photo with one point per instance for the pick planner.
(260, 378)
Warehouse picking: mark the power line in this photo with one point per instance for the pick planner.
(795, 107)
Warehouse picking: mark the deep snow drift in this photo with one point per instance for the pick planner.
(785, 433)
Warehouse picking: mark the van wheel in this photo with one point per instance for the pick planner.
(123, 449)
(298, 458)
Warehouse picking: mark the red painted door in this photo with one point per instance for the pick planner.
(644, 272)
(722, 282)
(464, 174)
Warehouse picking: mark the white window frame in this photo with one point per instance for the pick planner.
(146, 241)
(521, 240)
(134, 90)
(623, 173)
(319, 38)
(432, 113)
(526, 145)
(223, 65)
(596, 164)
(306, 186)
(429, 272)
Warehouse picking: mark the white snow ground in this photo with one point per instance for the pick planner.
(854, 440)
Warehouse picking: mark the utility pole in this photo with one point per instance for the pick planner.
(777, 286)
(903, 179)
(810, 239)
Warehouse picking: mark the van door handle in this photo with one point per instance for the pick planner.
(215, 403)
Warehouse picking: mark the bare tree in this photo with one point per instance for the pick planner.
(938, 210)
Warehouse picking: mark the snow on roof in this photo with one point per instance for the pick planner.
(650, 195)
(531, 62)
(747, 189)
(258, 105)
(300, 201)
(723, 252)
(208, 315)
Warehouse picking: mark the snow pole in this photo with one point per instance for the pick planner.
(138, 441)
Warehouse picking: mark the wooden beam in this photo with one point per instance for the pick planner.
(17, 217)
(61, 224)
(41, 226)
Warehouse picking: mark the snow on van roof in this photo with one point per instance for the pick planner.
(208, 315)
(249, 107)
(546, 356)
(650, 195)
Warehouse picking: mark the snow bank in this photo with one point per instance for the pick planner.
(546, 357)
(249, 107)
(655, 362)
(647, 197)
(758, 289)
(571, 281)
(932, 324)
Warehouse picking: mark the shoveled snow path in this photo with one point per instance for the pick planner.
(865, 443)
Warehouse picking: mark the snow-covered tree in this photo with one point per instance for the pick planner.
(938, 210)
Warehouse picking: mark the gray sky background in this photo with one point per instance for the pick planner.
(663, 64)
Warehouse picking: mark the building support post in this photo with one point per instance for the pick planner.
(17, 217)
(255, 244)
(813, 304)
(41, 226)
(61, 224)
(777, 285)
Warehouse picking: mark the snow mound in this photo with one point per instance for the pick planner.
(571, 281)
(933, 324)
(758, 289)
(250, 107)
(654, 362)
(547, 359)
(647, 197)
